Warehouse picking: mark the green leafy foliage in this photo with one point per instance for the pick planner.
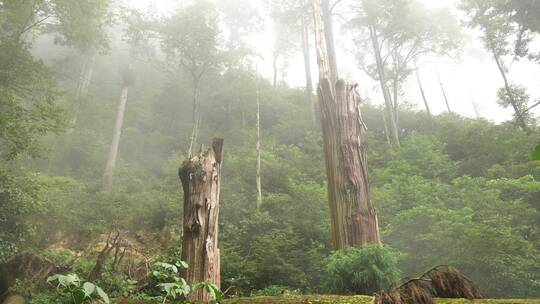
(86, 292)
(173, 287)
(361, 271)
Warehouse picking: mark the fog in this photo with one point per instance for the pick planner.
(269, 151)
(470, 77)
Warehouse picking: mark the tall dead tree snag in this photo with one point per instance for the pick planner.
(200, 178)
(353, 218)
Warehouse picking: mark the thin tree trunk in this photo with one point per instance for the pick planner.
(113, 150)
(195, 117)
(85, 78)
(201, 179)
(395, 104)
(422, 92)
(444, 94)
(275, 68)
(386, 133)
(353, 218)
(258, 147)
(307, 68)
(475, 108)
(519, 117)
(329, 37)
(394, 134)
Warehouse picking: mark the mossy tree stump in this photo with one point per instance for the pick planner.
(200, 176)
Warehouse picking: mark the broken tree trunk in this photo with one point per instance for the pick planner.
(353, 218)
(200, 178)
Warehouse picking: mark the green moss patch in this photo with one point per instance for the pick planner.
(329, 299)
(323, 299)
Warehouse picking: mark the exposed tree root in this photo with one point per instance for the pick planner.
(438, 282)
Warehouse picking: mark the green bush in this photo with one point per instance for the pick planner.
(361, 271)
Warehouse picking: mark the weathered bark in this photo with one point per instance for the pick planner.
(113, 150)
(444, 94)
(422, 92)
(200, 176)
(393, 126)
(307, 69)
(519, 117)
(328, 29)
(258, 147)
(353, 218)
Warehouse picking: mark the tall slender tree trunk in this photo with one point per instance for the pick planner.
(394, 133)
(275, 69)
(475, 108)
(201, 179)
(113, 150)
(422, 91)
(519, 117)
(195, 116)
(307, 67)
(353, 218)
(328, 29)
(258, 146)
(85, 78)
(395, 104)
(444, 94)
(386, 132)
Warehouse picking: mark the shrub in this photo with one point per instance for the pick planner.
(361, 271)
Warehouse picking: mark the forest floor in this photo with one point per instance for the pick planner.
(324, 299)
(329, 299)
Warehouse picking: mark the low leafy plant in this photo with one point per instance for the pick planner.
(176, 288)
(118, 285)
(361, 270)
(86, 292)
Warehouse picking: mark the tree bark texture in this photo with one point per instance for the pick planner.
(113, 150)
(200, 177)
(353, 218)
